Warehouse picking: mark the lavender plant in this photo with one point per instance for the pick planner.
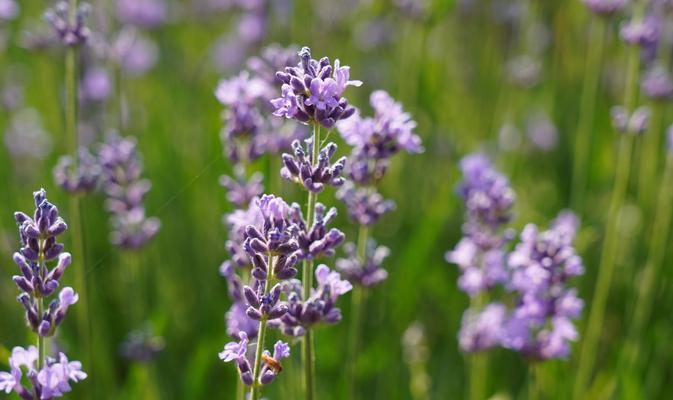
(45, 377)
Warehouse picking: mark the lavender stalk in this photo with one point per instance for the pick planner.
(611, 243)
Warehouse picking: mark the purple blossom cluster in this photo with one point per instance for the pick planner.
(314, 175)
(48, 382)
(312, 92)
(82, 179)
(238, 352)
(142, 13)
(49, 378)
(376, 139)
(634, 123)
(657, 84)
(319, 308)
(367, 273)
(125, 191)
(70, 33)
(605, 7)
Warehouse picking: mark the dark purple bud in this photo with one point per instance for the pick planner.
(57, 228)
(44, 328)
(287, 273)
(267, 377)
(251, 297)
(277, 311)
(253, 313)
(23, 283)
(259, 274)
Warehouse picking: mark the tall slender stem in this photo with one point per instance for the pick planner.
(357, 302)
(256, 389)
(658, 239)
(534, 381)
(584, 134)
(611, 242)
(307, 343)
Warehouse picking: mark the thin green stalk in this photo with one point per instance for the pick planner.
(611, 243)
(649, 159)
(307, 343)
(584, 135)
(240, 390)
(658, 239)
(41, 345)
(256, 388)
(534, 381)
(357, 300)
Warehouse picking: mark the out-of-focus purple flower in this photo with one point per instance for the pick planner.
(8, 10)
(542, 132)
(241, 191)
(643, 32)
(142, 345)
(82, 177)
(315, 240)
(373, 34)
(635, 123)
(134, 53)
(365, 205)
(541, 264)
(524, 71)
(238, 321)
(368, 273)
(11, 96)
(144, 13)
(482, 330)
(313, 175)
(416, 9)
(237, 222)
(126, 191)
(25, 136)
(657, 84)
(319, 308)
(481, 268)
(509, 136)
(228, 53)
(252, 27)
(605, 7)
(312, 92)
(68, 33)
(95, 85)
(53, 380)
(271, 59)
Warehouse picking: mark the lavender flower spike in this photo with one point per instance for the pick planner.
(82, 180)
(59, 18)
(313, 91)
(238, 352)
(369, 273)
(302, 169)
(365, 206)
(315, 240)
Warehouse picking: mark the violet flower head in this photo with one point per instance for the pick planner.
(132, 52)
(319, 308)
(365, 205)
(312, 92)
(389, 131)
(368, 273)
(142, 346)
(52, 381)
(241, 191)
(313, 175)
(657, 84)
(482, 268)
(69, 33)
(271, 59)
(8, 10)
(143, 13)
(316, 240)
(272, 367)
(635, 123)
(274, 239)
(482, 330)
(605, 7)
(237, 321)
(644, 32)
(542, 132)
(237, 351)
(237, 222)
(80, 178)
(125, 191)
(541, 264)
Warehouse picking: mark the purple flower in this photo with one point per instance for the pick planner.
(313, 91)
(542, 132)
(319, 308)
(82, 178)
(368, 273)
(144, 13)
(365, 205)
(59, 19)
(315, 240)
(313, 175)
(644, 32)
(605, 7)
(541, 264)
(237, 222)
(272, 58)
(238, 321)
(235, 350)
(657, 84)
(481, 268)
(482, 330)
(95, 85)
(53, 380)
(635, 123)
(126, 191)
(239, 191)
(271, 370)
(8, 10)
(134, 53)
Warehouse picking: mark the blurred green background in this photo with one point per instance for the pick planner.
(449, 67)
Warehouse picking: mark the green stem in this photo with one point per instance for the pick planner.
(534, 381)
(357, 302)
(75, 219)
(307, 343)
(611, 243)
(256, 389)
(41, 345)
(658, 239)
(584, 135)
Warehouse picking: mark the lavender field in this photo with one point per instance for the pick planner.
(355, 199)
